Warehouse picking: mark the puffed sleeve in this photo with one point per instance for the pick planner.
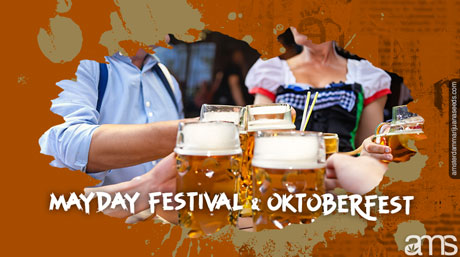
(265, 77)
(69, 142)
(375, 81)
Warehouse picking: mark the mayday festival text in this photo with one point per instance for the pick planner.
(365, 206)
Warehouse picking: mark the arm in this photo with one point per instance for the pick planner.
(117, 146)
(371, 116)
(81, 144)
(357, 175)
(235, 88)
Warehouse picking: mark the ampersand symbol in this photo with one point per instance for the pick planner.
(254, 204)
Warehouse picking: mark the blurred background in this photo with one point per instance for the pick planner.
(206, 70)
(213, 69)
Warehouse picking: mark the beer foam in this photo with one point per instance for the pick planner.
(208, 138)
(222, 116)
(264, 124)
(287, 152)
(269, 109)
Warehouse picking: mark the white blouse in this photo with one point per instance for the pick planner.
(265, 77)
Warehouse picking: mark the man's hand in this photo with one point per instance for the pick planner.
(162, 178)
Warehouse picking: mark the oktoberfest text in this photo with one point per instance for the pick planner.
(365, 206)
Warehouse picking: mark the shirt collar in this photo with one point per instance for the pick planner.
(150, 61)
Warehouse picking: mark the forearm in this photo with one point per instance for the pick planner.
(357, 175)
(365, 175)
(371, 116)
(115, 146)
(237, 95)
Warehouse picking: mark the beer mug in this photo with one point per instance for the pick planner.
(230, 113)
(275, 116)
(398, 134)
(289, 162)
(208, 161)
(331, 141)
(237, 115)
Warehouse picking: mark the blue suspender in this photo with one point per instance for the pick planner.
(156, 68)
(102, 85)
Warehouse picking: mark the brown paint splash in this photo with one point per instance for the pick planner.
(406, 39)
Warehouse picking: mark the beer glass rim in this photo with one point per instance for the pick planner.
(182, 149)
(241, 110)
(330, 135)
(267, 104)
(254, 124)
(275, 132)
(223, 105)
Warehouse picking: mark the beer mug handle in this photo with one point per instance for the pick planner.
(180, 134)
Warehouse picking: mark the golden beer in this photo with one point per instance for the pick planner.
(331, 141)
(286, 181)
(262, 117)
(208, 161)
(245, 180)
(207, 174)
(399, 142)
(290, 162)
(237, 115)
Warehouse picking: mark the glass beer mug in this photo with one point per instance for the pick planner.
(399, 134)
(237, 115)
(276, 116)
(287, 162)
(331, 141)
(208, 161)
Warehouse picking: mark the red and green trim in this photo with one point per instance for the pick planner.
(377, 95)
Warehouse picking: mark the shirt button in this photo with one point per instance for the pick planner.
(150, 114)
(147, 104)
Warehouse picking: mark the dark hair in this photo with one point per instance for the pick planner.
(287, 40)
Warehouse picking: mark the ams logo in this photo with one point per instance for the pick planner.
(415, 248)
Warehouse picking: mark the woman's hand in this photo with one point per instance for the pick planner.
(377, 151)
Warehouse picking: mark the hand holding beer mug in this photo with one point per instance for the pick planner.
(287, 162)
(404, 129)
(208, 161)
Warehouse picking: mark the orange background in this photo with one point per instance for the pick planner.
(423, 53)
